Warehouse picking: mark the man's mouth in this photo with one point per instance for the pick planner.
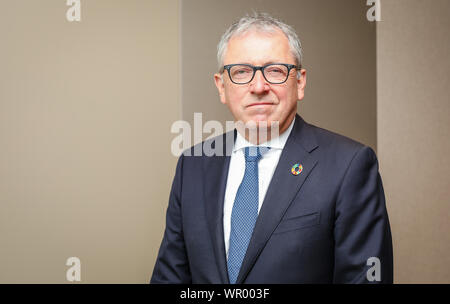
(260, 104)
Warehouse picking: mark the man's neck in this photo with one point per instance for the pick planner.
(260, 134)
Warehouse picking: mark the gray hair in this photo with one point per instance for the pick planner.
(260, 22)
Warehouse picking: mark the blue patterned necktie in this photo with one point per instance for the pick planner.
(244, 212)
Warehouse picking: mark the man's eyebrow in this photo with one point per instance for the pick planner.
(265, 63)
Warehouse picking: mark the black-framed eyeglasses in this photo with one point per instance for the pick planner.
(274, 73)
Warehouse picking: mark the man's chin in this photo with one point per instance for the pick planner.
(260, 128)
(261, 122)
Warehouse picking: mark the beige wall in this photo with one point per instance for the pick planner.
(340, 59)
(413, 46)
(85, 116)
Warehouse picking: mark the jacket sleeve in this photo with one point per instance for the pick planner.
(172, 265)
(363, 243)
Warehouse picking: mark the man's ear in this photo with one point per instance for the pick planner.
(218, 79)
(301, 84)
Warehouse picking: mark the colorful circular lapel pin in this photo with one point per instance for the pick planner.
(297, 169)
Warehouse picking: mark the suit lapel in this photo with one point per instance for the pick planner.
(282, 190)
(215, 172)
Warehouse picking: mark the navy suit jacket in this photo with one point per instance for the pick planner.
(320, 226)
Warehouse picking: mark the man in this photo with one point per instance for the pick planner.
(309, 209)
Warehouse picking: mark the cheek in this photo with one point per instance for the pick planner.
(292, 94)
(282, 95)
(287, 98)
(235, 98)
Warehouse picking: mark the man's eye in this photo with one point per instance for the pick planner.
(275, 70)
(242, 71)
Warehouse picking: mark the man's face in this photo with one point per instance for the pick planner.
(259, 100)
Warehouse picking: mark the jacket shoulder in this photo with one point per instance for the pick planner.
(329, 140)
(220, 145)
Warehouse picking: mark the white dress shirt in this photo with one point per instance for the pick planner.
(266, 168)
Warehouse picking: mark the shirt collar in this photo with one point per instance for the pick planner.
(275, 143)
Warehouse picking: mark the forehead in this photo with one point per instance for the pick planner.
(259, 48)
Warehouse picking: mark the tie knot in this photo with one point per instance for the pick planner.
(254, 154)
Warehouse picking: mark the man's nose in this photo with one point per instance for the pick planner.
(259, 84)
